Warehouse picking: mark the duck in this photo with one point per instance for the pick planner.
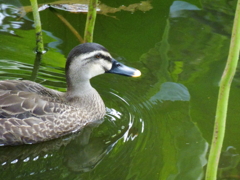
(31, 113)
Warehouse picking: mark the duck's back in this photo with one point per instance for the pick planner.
(31, 113)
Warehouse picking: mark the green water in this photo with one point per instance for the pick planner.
(158, 126)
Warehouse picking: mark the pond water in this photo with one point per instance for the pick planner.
(158, 126)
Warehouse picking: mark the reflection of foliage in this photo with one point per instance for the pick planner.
(22, 68)
(82, 6)
(224, 7)
(198, 55)
(156, 59)
(184, 148)
(229, 163)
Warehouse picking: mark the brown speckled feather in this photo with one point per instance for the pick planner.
(31, 113)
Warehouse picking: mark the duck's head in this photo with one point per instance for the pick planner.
(91, 59)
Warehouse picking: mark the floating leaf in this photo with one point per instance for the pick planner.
(81, 6)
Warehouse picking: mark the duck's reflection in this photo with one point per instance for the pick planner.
(79, 152)
(82, 155)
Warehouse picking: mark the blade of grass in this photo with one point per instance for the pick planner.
(38, 27)
(223, 96)
(65, 21)
(90, 22)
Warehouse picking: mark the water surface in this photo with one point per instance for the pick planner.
(158, 126)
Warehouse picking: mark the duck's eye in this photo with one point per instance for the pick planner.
(97, 56)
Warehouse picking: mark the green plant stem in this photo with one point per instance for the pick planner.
(90, 22)
(38, 27)
(223, 96)
(36, 66)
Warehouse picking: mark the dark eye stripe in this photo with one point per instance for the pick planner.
(97, 57)
(107, 58)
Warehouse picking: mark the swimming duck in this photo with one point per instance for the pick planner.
(31, 113)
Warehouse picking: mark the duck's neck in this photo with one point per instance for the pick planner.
(87, 98)
(80, 89)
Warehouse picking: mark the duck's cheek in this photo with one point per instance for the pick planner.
(96, 70)
(106, 66)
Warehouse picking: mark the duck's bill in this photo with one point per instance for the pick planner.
(119, 68)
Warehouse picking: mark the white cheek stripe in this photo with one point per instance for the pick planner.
(91, 54)
(106, 65)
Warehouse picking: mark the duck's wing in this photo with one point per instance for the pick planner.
(30, 86)
(26, 116)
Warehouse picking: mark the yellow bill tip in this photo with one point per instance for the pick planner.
(137, 73)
